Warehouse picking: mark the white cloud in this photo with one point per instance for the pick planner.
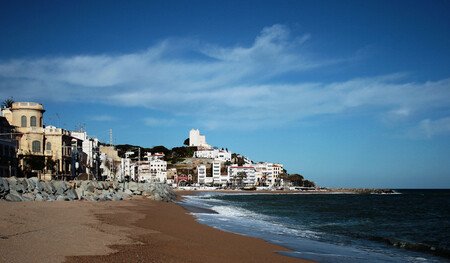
(432, 128)
(219, 86)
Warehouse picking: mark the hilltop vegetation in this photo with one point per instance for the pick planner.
(174, 155)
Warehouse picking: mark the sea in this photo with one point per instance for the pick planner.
(409, 226)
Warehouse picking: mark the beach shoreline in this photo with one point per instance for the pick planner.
(138, 230)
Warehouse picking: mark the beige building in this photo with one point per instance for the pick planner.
(47, 150)
(27, 118)
(58, 146)
(110, 162)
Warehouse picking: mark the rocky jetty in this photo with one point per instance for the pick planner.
(33, 189)
(362, 191)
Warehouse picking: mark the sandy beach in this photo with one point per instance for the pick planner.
(138, 230)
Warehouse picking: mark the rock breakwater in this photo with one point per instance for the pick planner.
(33, 189)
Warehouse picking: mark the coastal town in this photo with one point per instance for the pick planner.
(28, 148)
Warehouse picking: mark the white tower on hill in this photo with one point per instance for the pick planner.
(195, 139)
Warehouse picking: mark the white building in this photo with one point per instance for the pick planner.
(264, 173)
(153, 169)
(277, 169)
(222, 155)
(127, 168)
(218, 178)
(201, 174)
(90, 147)
(235, 172)
(196, 139)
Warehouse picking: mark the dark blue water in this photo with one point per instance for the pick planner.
(413, 226)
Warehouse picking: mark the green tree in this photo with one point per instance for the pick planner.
(307, 183)
(186, 142)
(296, 179)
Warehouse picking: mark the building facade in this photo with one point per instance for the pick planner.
(90, 146)
(242, 175)
(201, 174)
(110, 163)
(8, 149)
(218, 154)
(153, 169)
(58, 148)
(26, 117)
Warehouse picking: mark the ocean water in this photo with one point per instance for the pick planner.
(412, 226)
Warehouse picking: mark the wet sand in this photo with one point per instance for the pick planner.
(137, 230)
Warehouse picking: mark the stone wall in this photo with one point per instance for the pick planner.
(32, 189)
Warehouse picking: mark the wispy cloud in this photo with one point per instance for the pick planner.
(436, 127)
(221, 86)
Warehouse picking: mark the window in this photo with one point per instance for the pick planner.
(48, 147)
(33, 121)
(36, 146)
(23, 120)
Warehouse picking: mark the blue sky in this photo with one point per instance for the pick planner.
(348, 93)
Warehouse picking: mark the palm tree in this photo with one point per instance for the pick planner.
(8, 103)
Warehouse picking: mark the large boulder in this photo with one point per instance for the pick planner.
(115, 185)
(4, 185)
(16, 185)
(13, 196)
(60, 198)
(71, 194)
(97, 185)
(40, 186)
(49, 188)
(156, 197)
(39, 197)
(141, 187)
(106, 185)
(84, 185)
(90, 197)
(32, 183)
(133, 186)
(80, 193)
(90, 187)
(117, 196)
(28, 197)
(51, 197)
(22, 185)
(60, 186)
